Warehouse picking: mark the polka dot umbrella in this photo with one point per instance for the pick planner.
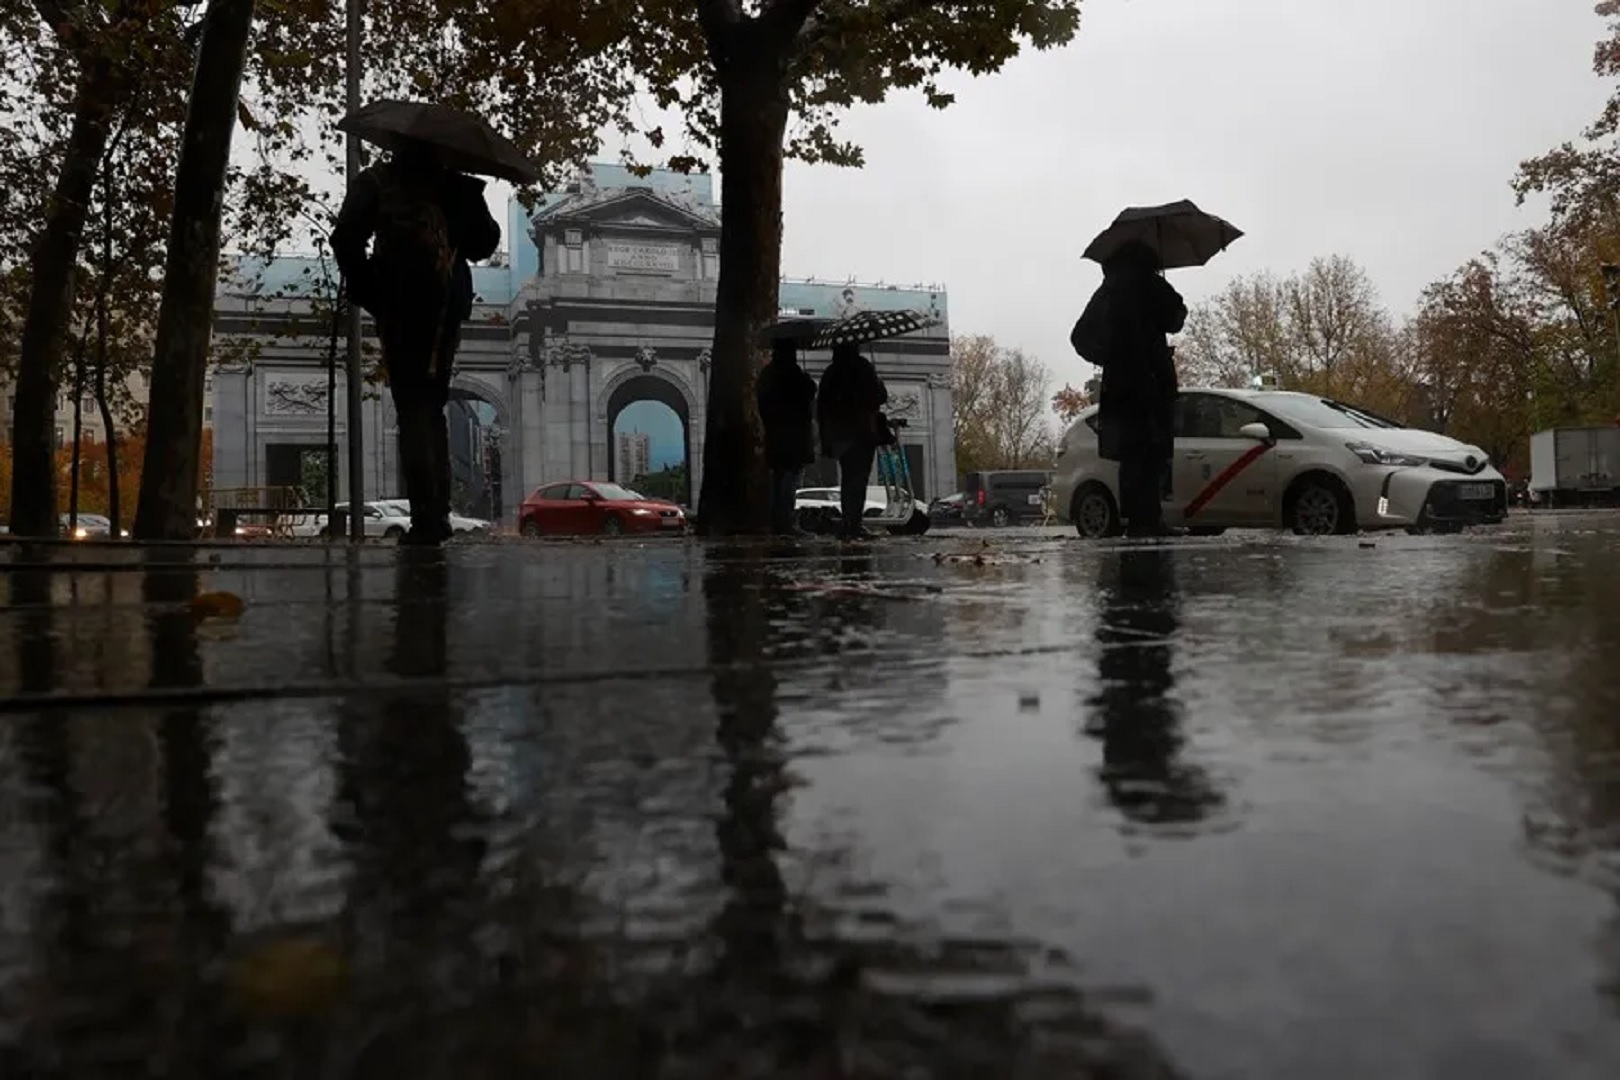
(866, 326)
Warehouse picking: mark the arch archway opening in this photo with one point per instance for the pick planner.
(650, 433)
(475, 442)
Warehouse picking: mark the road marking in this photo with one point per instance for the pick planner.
(1230, 473)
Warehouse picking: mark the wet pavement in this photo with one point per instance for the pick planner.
(965, 806)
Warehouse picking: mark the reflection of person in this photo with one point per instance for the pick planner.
(787, 402)
(427, 223)
(1123, 330)
(848, 409)
(1134, 707)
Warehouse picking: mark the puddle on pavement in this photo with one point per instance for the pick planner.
(704, 810)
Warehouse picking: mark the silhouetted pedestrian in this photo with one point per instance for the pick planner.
(849, 407)
(428, 224)
(1123, 331)
(787, 404)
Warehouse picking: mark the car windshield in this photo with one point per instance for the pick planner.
(615, 492)
(1323, 412)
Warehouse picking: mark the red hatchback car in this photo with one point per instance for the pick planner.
(574, 508)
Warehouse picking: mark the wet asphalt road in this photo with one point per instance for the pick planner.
(987, 805)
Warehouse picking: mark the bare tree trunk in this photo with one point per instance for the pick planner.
(50, 303)
(112, 433)
(167, 506)
(103, 405)
(78, 430)
(753, 120)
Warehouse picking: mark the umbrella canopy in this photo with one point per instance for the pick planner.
(465, 142)
(871, 326)
(1182, 234)
(793, 328)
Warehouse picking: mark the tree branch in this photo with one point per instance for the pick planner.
(783, 19)
(717, 16)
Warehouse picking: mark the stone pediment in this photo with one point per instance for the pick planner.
(633, 210)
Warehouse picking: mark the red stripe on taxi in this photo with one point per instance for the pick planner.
(1230, 473)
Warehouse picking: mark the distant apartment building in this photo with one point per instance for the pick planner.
(131, 402)
(634, 455)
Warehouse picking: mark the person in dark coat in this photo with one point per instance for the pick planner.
(786, 394)
(849, 409)
(1123, 331)
(426, 225)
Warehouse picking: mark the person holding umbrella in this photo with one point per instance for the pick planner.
(1123, 331)
(427, 223)
(849, 404)
(786, 396)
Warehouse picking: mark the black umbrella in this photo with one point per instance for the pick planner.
(1182, 234)
(794, 328)
(466, 143)
(871, 326)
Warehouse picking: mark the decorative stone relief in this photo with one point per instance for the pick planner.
(705, 360)
(646, 357)
(295, 397)
(517, 365)
(905, 403)
(566, 354)
(939, 380)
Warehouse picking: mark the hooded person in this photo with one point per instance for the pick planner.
(1123, 331)
(426, 225)
(849, 406)
(786, 395)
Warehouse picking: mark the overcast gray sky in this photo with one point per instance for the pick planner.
(1387, 130)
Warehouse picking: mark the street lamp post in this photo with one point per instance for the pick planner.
(357, 473)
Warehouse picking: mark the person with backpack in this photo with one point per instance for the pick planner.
(426, 226)
(849, 409)
(1123, 331)
(786, 396)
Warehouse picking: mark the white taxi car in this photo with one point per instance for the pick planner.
(1269, 459)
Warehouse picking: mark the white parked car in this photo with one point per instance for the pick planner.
(383, 522)
(1275, 459)
(819, 509)
(458, 522)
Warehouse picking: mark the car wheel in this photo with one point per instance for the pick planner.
(1093, 513)
(1000, 518)
(394, 533)
(1318, 506)
(916, 525)
(612, 527)
(530, 528)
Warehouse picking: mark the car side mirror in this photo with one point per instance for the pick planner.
(1256, 431)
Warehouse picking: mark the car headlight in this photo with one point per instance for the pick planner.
(1377, 455)
(81, 534)
(641, 512)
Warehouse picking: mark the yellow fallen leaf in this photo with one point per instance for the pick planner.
(300, 976)
(217, 605)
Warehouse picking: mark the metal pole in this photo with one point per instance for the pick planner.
(357, 474)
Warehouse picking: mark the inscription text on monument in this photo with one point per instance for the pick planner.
(643, 258)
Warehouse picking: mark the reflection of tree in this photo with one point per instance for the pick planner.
(1135, 707)
(744, 691)
(128, 925)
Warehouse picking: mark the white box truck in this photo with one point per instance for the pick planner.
(1575, 466)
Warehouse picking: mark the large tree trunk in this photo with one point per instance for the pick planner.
(167, 506)
(753, 120)
(50, 303)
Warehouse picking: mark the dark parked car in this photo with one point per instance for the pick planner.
(948, 509)
(1008, 497)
